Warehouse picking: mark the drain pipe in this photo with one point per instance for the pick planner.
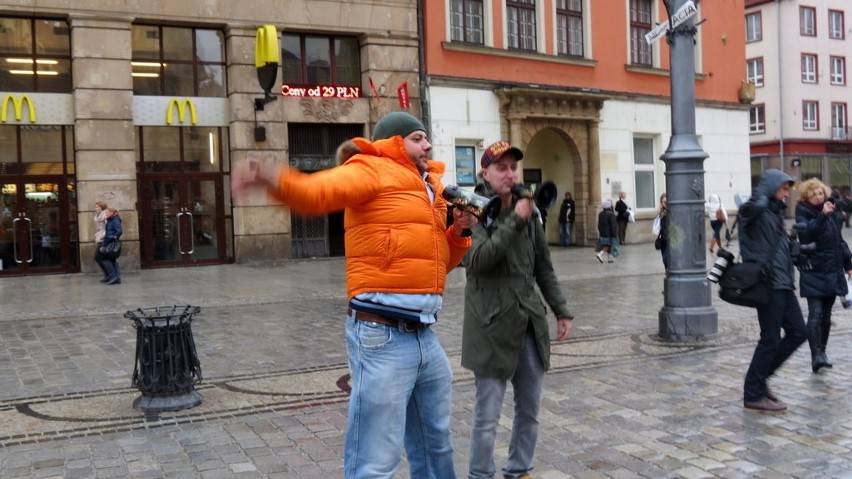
(424, 90)
(780, 87)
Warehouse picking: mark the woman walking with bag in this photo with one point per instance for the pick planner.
(825, 277)
(112, 233)
(100, 230)
(718, 217)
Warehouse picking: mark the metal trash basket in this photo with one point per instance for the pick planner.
(167, 367)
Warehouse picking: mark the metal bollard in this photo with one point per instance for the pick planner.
(166, 368)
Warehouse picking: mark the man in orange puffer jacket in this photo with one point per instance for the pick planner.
(398, 253)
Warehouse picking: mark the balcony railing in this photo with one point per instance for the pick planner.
(841, 133)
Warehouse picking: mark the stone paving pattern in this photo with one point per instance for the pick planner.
(619, 403)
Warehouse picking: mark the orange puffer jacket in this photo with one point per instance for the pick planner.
(396, 240)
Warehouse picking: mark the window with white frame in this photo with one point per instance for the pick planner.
(839, 130)
(836, 28)
(641, 13)
(810, 115)
(569, 27)
(521, 25)
(838, 70)
(644, 171)
(754, 27)
(757, 119)
(466, 21)
(809, 68)
(807, 21)
(754, 71)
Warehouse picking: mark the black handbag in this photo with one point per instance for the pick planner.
(111, 248)
(746, 284)
(659, 242)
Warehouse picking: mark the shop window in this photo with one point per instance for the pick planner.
(644, 172)
(310, 60)
(465, 165)
(466, 21)
(811, 167)
(569, 27)
(37, 55)
(178, 61)
(164, 149)
(640, 24)
(521, 24)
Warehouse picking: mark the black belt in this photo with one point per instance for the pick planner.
(405, 326)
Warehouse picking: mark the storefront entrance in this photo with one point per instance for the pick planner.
(182, 220)
(38, 201)
(35, 236)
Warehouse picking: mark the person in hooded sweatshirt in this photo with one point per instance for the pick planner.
(824, 278)
(764, 240)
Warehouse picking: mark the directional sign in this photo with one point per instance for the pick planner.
(681, 15)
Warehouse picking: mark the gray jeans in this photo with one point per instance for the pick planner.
(527, 385)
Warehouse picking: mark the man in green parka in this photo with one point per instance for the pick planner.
(506, 334)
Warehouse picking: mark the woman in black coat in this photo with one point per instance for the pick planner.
(823, 276)
(608, 232)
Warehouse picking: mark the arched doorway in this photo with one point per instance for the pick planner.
(551, 156)
(573, 118)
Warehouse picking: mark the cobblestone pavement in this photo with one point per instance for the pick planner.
(618, 403)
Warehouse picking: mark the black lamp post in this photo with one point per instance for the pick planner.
(687, 312)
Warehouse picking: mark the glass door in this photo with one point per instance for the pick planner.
(34, 231)
(182, 221)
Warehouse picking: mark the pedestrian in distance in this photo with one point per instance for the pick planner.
(715, 210)
(622, 217)
(607, 233)
(566, 220)
(660, 230)
(505, 333)
(100, 230)
(764, 240)
(112, 232)
(823, 278)
(399, 251)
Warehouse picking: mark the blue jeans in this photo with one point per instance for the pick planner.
(565, 233)
(527, 384)
(401, 396)
(782, 312)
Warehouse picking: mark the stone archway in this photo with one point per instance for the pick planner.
(575, 117)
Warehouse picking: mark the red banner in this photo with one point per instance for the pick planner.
(373, 88)
(402, 94)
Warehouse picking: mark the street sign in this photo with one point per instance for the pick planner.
(681, 15)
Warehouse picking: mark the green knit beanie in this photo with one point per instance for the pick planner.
(396, 123)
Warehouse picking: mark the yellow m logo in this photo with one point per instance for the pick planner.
(181, 105)
(18, 105)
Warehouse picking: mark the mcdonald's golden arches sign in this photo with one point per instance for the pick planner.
(17, 102)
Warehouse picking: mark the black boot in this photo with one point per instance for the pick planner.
(823, 359)
(816, 361)
(826, 329)
(814, 338)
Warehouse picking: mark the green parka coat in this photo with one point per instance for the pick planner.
(508, 258)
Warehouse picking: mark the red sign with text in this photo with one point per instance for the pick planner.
(321, 91)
